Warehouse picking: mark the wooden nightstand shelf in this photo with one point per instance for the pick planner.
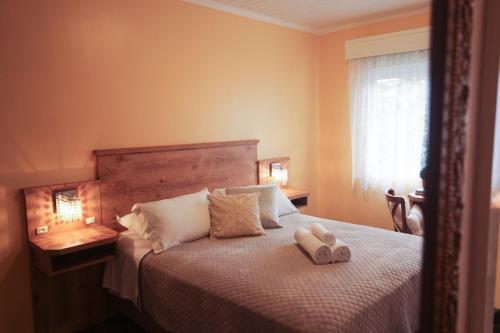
(67, 245)
(73, 249)
(67, 277)
(297, 197)
(68, 260)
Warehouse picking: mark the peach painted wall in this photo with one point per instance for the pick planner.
(96, 74)
(337, 200)
(80, 75)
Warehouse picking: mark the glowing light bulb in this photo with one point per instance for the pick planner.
(68, 207)
(279, 175)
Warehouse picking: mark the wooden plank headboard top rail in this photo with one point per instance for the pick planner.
(134, 175)
(142, 150)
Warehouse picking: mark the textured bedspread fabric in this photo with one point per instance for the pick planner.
(268, 284)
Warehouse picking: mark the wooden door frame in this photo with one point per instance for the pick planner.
(479, 244)
(455, 286)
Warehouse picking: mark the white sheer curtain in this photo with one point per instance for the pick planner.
(389, 103)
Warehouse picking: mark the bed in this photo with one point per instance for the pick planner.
(251, 284)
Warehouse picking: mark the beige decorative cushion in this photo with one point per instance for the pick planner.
(234, 215)
(267, 203)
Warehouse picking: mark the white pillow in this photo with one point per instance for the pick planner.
(268, 210)
(284, 205)
(134, 222)
(170, 222)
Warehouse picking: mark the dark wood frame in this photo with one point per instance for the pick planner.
(450, 62)
(480, 219)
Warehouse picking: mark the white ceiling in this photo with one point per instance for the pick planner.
(319, 16)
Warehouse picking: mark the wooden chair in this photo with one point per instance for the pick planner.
(393, 202)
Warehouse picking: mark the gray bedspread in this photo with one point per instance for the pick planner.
(268, 284)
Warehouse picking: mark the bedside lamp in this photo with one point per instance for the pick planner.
(68, 205)
(278, 174)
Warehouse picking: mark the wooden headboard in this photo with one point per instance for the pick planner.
(133, 175)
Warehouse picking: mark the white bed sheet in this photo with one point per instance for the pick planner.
(121, 275)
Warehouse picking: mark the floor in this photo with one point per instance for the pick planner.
(121, 324)
(118, 324)
(496, 321)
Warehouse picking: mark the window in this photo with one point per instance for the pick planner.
(389, 107)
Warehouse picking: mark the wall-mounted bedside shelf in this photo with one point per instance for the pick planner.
(68, 256)
(297, 197)
(69, 250)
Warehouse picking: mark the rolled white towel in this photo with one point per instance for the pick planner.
(340, 252)
(324, 235)
(320, 252)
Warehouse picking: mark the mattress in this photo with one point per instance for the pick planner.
(268, 284)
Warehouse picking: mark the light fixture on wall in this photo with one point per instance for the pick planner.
(278, 174)
(68, 205)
